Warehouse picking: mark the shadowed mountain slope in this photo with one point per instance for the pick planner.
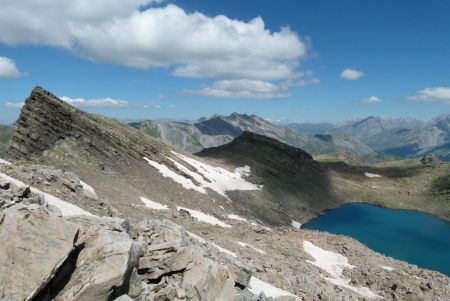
(289, 173)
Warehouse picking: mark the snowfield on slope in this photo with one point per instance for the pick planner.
(257, 286)
(88, 188)
(217, 179)
(67, 209)
(203, 241)
(296, 225)
(237, 218)
(153, 205)
(334, 264)
(246, 245)
(206, 218)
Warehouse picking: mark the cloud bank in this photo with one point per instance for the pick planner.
(434, 94)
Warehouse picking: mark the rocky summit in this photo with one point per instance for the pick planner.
(93, 209)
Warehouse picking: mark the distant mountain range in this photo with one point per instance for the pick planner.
(403, 138)
(219, 130)
(371, 139)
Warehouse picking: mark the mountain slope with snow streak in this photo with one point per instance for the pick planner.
(217, 179)
(67, 209)
(334, 264)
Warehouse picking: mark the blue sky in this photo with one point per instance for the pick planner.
(179, 60)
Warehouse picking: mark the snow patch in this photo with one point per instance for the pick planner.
(372, 175)
(203, 241)
(67, 209)
(257, 286)
(245, 245)
(387, 268)
(334, 264)
(244, 170)
(237, 217)
(88, 188)
(168, 173)
(4, 162)
(153, 205)
(223, 250)
(206, 218)
(296, 225)
(217, 179)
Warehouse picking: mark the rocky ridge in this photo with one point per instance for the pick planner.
(86, 257)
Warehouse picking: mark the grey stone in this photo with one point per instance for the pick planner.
(240, 274)
(33, 245)
(104, 265)
(208, 280)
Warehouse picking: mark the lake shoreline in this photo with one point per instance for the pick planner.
(391, 232)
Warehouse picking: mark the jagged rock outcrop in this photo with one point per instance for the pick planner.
(104, 264)
(45, 256)
(45, 121)
(171, 266)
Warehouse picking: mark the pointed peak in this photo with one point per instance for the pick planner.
(38, 90)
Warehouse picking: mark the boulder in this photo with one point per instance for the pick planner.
(208, 280)
(173, 268)
(33, 244)
(104, 265)
(241, 275)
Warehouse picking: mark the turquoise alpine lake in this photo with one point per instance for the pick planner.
(411, 236)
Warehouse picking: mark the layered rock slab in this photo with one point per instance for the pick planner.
(33, 244)
(104, 265)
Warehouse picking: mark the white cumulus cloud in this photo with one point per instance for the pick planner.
(434, 94)
(372, 99)
(8, 69)
(351, 74)
(240, 88)
(140, 34)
